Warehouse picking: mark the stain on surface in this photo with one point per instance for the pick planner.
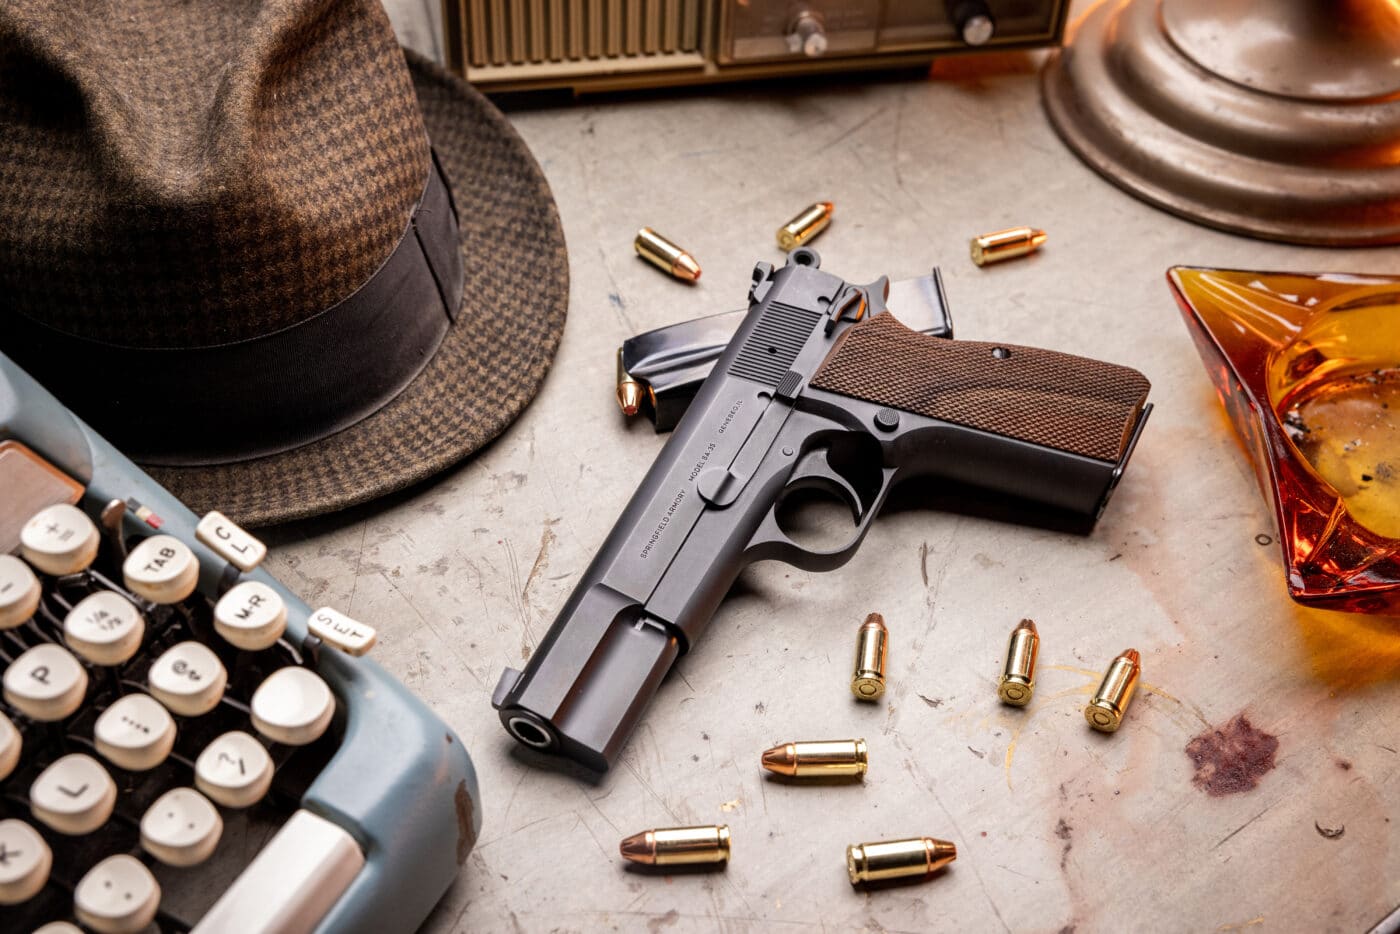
(1331, 833)
(438, 568)
(1231, 759)
(1066, 833)
(547, 538)
(664, 921)
(931, 701)
(1344, 765)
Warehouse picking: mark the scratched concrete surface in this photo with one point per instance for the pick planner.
(1058, 829)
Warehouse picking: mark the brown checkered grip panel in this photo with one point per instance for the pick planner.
(1042, 397)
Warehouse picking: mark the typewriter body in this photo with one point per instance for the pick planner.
(178, 745)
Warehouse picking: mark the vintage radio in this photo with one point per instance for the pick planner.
(595, 45)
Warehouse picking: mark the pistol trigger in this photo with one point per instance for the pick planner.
(814, 471)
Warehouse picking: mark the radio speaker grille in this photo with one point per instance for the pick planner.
(499, 34)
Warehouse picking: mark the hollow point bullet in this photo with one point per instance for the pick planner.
(678, 846)
(1006, 244)
(1018, 674)
(805, 226)
(898, 859)
(629, 391)
(872, 646)
(834, 758)
(1109, 705)
(663, 254)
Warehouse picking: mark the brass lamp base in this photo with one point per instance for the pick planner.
(1278, 119)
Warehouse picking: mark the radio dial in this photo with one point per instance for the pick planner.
(807, 35)
(974, 21)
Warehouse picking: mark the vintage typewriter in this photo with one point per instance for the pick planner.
(183, 743)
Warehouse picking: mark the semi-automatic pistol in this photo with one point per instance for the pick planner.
(820, 389)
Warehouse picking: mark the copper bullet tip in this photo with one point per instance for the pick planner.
(941, 852)
(874, 621)
(1027, 624)
(1133, 656)
(629, 397)
(781, 759)
(639, 848)
(1038, 238)
(685, 267)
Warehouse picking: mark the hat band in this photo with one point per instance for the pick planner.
(186, 407)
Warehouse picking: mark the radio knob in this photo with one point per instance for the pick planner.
(973, 21)
(807, 34)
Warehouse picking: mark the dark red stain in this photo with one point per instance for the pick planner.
(1344, 765)
(1231, 759)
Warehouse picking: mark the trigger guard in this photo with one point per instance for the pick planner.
(814, 472)
(770, 542)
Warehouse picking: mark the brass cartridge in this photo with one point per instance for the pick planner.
(834, 758)
(1110, 703)
(678, 846)
(898, 859)
(872, 647)
(805, 226)
(663, 254)
(1006, 244)
(1018, 674)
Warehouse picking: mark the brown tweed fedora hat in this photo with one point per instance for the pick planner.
(277, 260)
